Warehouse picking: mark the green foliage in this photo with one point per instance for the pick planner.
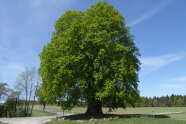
(41, 97)
(3, 111)
(4, 91)
(155, 102)
(13, 107)
(92, 57)
(179, 102)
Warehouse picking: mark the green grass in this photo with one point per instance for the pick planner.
(116, 120)
(2, 123)
(36, 113)
(178, 115)
(167, 118)
(137, 110)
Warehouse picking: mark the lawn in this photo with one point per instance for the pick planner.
(36, 113)
(2, 123)
(163, 115)
(178, 115)
(137, 110)
(116, 120)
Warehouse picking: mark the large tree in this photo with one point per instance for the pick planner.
(91, 56)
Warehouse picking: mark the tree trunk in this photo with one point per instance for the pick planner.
(94, 108)
(15, 107)
(44, 107)
(33, 104)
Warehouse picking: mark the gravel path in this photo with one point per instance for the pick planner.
(30, 120)
(168, 113)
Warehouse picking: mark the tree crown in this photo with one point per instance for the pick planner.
(91, 56)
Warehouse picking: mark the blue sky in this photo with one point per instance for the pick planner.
(158, 25)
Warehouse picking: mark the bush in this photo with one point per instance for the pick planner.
(3, 111)
(14, 108)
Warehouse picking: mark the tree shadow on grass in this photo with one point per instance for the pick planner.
(88, 117)
(1, 122)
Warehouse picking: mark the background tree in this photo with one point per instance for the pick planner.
(27, 84)
(91, 56)
(12, 106)
(36, 83)
(4, 91)
(156, 103)
(41, 98)
(179, 102)
(144, 101)
(184, 101)
(150, 102)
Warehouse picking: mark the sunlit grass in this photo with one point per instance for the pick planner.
(140, 120)
(137, 110)
(36, 113)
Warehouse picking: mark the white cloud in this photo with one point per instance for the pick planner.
(175, 83)
(151, 12)
(41, 3)
(151, 64)
(182, 79)
(170, 86)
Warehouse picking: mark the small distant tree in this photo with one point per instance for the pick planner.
(13, 106)
(41, 97)
(168, 101)
(150, 102)
(179, 102)
(14, 97)
(174, 102)
(156, 103)
(36, 87)
(4, 91)
(184, 101)
(144, 101)
(173, 99)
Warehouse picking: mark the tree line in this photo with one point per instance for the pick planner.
(163, 101)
